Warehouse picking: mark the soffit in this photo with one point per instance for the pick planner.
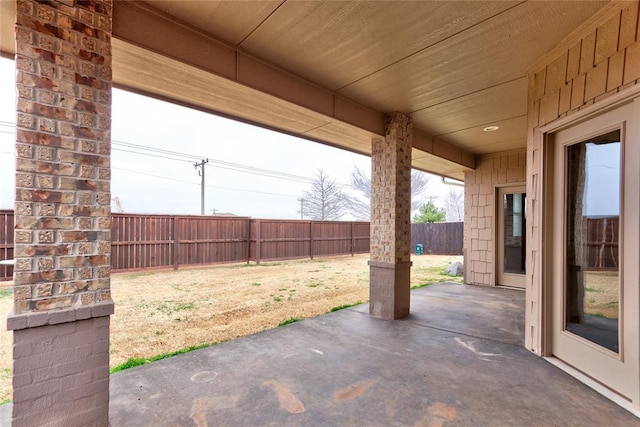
(455, 67)
(138, 69)
(7, 30)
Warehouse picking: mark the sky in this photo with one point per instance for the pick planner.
(602, 187)
(168, 183)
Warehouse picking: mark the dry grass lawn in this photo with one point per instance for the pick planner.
(602, 293)
(164, 311)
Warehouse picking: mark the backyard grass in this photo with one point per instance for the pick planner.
(163, 313)
(602, 293)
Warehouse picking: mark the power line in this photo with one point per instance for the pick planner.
(151, 155)
(237, 168)
(214, 163)
(208, 186)
(154, 149)
(180, 156)
(160, 153)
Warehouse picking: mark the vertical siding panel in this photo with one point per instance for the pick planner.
(556, 74)
(616, 70)
(573, 62)
(587, 54)
(628, 26)
(565, 98)
(607, 40)
(596, 81)
(539, 84)
(549, 106)
(632, 63)
(577, 92)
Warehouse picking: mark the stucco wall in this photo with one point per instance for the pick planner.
(597, 61)
(492, 171)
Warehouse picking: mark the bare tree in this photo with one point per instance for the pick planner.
(325, 200)
(361, 206)
(454, 205)
(360, 181)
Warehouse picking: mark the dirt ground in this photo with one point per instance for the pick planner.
(164, 311)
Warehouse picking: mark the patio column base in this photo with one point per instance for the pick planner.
(61, 366)
(389, 289)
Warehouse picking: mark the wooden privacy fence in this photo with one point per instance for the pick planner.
(6, 242)
(153, 241)
(284, 239)
(602, 243)
(160, 241)
(443, 238)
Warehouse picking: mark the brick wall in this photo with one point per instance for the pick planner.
(480, 211)
(62, 298)
(597, 61)
(62, 240)
(390, 264)
(391, 199)
(74, 392)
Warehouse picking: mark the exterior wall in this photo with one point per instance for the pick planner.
(492, 171)
(390, 248)
(62, 298)
(597, 61)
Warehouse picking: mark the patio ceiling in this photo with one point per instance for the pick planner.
(327, 71)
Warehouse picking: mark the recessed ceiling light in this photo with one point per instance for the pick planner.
(491, 128)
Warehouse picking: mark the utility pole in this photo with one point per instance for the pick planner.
(301, 200)
(201, 173)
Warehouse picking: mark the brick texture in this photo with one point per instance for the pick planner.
(603, 59)
(62, 298)
(390, 220)
(62, 374)
(391, 197)
(480, 211)
(63, 62)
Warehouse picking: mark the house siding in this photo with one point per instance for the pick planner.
(597, 61)
(492, 171)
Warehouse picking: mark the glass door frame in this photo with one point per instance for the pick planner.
(505, 278)
(630, 316)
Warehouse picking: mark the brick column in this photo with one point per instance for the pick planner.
(62, 299)
(390, 264)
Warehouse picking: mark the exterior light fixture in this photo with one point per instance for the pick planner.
(491, 128)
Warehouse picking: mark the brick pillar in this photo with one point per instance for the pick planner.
(62, 299)
(390, 264)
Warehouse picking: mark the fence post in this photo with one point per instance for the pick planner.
(352, 239)
(176, 242)
(258, 241)
(248, 240)
(311, 239)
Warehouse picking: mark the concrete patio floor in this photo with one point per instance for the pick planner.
(457, 360)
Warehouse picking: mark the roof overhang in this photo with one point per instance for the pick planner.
(328, 71)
